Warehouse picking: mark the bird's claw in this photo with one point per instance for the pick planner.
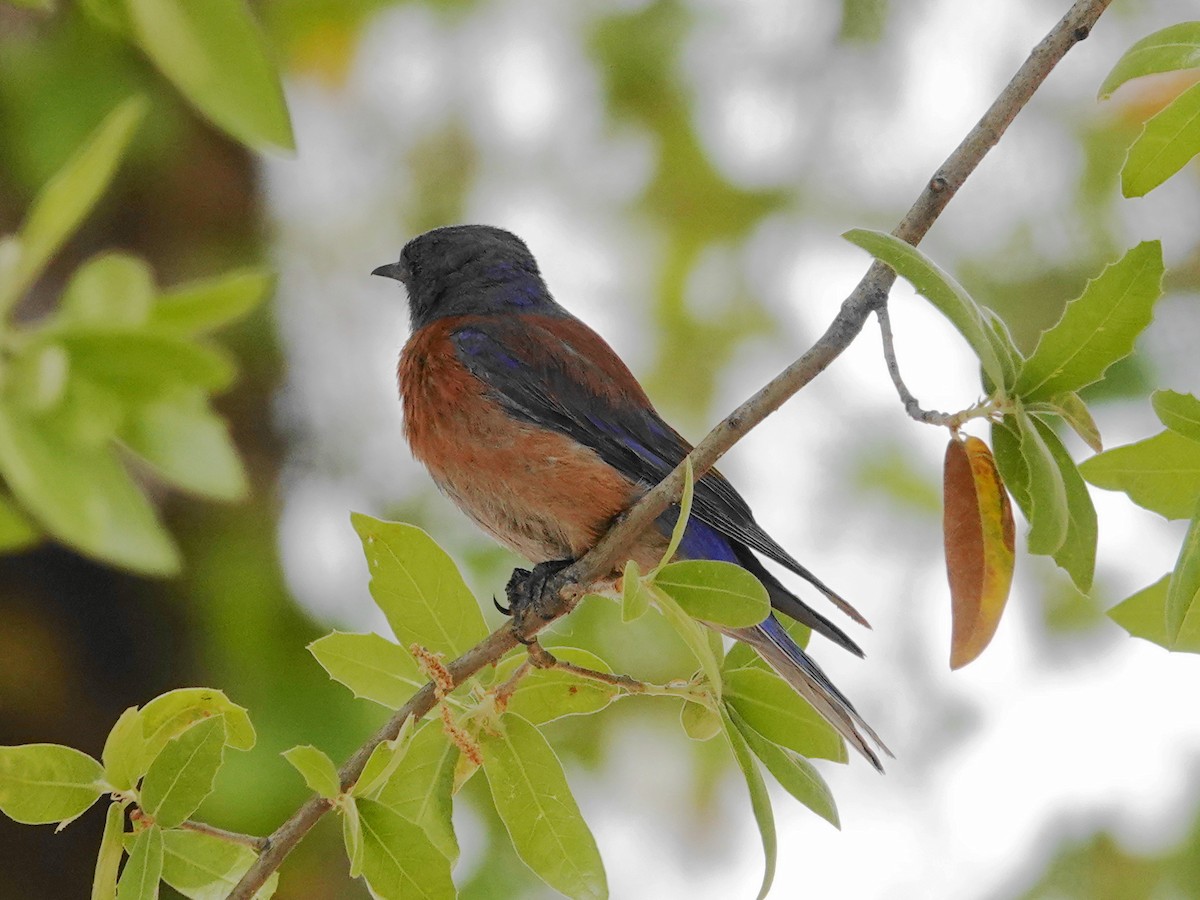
(532, 593)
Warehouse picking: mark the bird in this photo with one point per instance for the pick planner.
(531, 423)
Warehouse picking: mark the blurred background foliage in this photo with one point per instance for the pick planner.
(682, 170)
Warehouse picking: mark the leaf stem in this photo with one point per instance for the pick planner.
(255, 843)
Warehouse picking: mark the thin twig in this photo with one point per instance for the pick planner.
(254, 842)
(912, 406)
(544, 659)
(599, 562)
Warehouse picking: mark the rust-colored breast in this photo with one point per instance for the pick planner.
(535, 491)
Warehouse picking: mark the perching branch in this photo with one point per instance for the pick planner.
(870, 294)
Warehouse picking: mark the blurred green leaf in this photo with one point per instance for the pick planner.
(399, 861)
(170, 714)
(1144, 614)
(182, 774)
(534, 802)
(142, 366)
(110, 14)
(1175, 47)
(317, 770)
(1077, 554)
(778, 713)
(940, 289)
(16, 531)
(108, 859)
(547, 694)
(1047, 492)
(203, 867)
(1179, 412)
(715, 591)
(1161, 474)
(110, 291)
(635, 599)
(1183, 592)
(1097, 328)
(421, 787)
(143, 869)
(699, 722)
(1168, 142)
(123, 749)
(44, 783)
(82, 495)
(798, 776)
(69, 196)
(202, 306)
(214, 52)
(371, 666)
(36, 377)
(760, 800)
(419, 588)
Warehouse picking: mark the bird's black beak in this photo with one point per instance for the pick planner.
(391, 270)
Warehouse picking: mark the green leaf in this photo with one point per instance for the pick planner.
(681, 521)
(113, 290)
(422, 785)
(699, 722)
(547, 694)
(940, 289)
(760, 800)
(16, 531)
(82, 495)
(70, 195)
(399, 861)
(1144, 614)
(1176, 47)
(1097, 328)
(1161, 474)
(44, 783)
(383, 761)
(37, 376)
(419, 588)
(635, 600)
(170, 714)
(108, 860)
(1168, 142)
(203, 867)
(187, 444)
(715, 591)
(139, 880)
(198, 307)
(214, 52)
(183, 773)
(1179, 412)
(1049, 516)
(693, 633)
(317, 770)
(1183, 592)
(141, 366)
(781, 715)
(798, 776)
(1077, 554)
(534, 802)
(1006, 448)
(371, 666)
(1072, 410)
(123, 749)
(352, 835)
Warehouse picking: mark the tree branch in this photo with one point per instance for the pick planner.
(600, 561)
(912, 406)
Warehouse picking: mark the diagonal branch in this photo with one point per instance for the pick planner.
(870, 294)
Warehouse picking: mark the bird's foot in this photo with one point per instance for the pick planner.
(533, 593)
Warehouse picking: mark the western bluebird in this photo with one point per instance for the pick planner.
(531, 423)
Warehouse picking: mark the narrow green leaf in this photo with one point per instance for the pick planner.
(1175, 47)
(634, 600)
(183, 773)
(547, 694)
(534, 802)
(383, 761)
(108, 860)
(198, 307)
(317, 770)
(693, 633)
(781, 715)
(940, 289)
(123, 748)
(112, 290)
(1144, 614)
(1183, 592)
(37, 377)
(214, 52)
(143, 366)
(1179, 412)
(1006, 448)
(70, 195)
(1097, 328)
(82, 495)
(1072, 410)
(700, 722)
(44, 783)
(169, 715)
(1161, 474)
(202, 867)
(399, 861)
(422, 785)
(715, 591)
(419, 588)
(352, 835)
(139, 880)
(798, 776)
(1050, 515)
(760, 800)
(681, 521)
(17, 532)
(1077, 555)
(1168, 142)
(371, 666)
